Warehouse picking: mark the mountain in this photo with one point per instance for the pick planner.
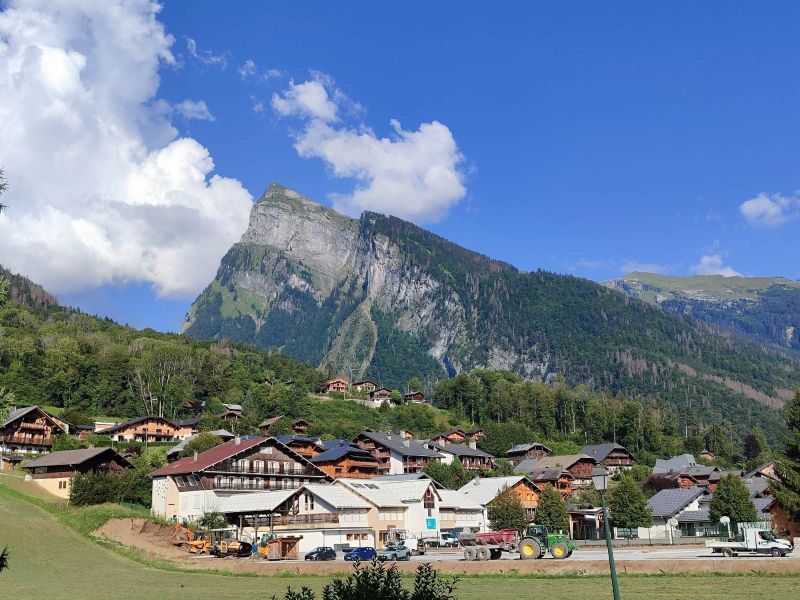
(766, 309)
(379, 297)
(26, 292)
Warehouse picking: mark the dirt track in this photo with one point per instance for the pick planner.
(155, 541)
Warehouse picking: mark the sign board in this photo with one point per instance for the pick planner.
(430, 523)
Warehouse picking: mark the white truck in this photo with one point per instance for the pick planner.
(752, 540)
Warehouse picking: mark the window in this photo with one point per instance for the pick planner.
(268, 450)
(339, 470)
(62, 485)
(429, 501)
(309, 498)
(179, 481)
(193, 480)
(258, 466)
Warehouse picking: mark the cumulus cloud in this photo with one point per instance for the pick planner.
(712, 264)
(415, 175)
(769, 211)
(248, 69)
(103, 190)
(190, 109)
(206, 57)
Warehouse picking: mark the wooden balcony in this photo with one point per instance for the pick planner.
(26, 440)
(308, 520)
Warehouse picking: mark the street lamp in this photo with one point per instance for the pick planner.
(600, 481)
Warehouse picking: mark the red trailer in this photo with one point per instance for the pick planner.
(489, 544)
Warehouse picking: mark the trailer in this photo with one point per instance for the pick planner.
(752, 539)
(535, 543)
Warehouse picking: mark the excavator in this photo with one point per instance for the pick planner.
(199, 544)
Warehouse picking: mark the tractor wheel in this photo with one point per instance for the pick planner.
(559, 551)
(495, 554)
(530, 548)
(727, 552)
(469, 553)
(482, 554)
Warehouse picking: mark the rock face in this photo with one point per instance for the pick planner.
(381, 298)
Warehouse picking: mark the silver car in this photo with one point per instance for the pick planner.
(395, 552)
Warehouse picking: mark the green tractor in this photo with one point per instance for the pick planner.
(537, 541)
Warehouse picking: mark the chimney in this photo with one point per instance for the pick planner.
(388, 437)
(406, 443)
(237, 440)
(473, 444)
(195, 456)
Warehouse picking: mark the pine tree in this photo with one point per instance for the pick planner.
(628, 504)
(732, 499)
(787, 488)
(552, 511)
(506, 511)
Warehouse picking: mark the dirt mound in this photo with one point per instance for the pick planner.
(151, 537)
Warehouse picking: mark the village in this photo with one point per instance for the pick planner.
(297, 493)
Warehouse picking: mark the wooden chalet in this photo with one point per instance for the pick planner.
(343, 459)
(708, 455)
(144, 429)
(453, 436)
(612, 456)
(560, 479)
(306, 447)
(25, 431)
(396, 454)
(578, 465)
(300, 426)
(468, 455)
(484, 491)
(337, 385)
(414, 397)
(55, 471)
(476, 434)
(365, 386)
(267, 424)
(532, 450)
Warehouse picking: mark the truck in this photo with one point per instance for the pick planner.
(752, 539)
(533, 544)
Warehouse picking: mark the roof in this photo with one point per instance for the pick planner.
(485, 489)
(271, 421)
(208, 458)
(763, 505)
(250, 502)
(337, 496)
(388, 493)
(233, 407)
(528, 466)
(134, 421)
(525, 447)
(694, 516)
(667, 503)
(73, 458)
(338, 452)
(461, 450)
(756, 485)
(564, 461)
(21, 412)
(221, 433)
(757, 471)
(187, 422)
(600, 452)
(365, 381)
(676, 463)
(456, 499)
(398, 444)
(289, 438)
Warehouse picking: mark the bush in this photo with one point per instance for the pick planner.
(204, 441)
(376, 582)
(506, 511)
(93, 488)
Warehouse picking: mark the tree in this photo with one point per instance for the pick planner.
(732, 499)
(202, 442)
(628, 504)
(66, 442)
(4, 556)
(93, 488)
(5, 290)
(3, 189)
(787, 468)
(452, 476)
(7, 400)
(506, 511)
(552, 511)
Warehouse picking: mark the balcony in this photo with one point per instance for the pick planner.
(26, 440)
(307, 520)
(253, 485)
(263, 470)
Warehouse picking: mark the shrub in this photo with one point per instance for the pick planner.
(506, 511)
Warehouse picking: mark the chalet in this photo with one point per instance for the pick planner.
(613, 456)
(475, 434)
(26, 431)
(395, 453)
(579, 466)
(380, 395)
(232, 412)
(484, 490)
(681, 506)
(307, 447)
(766, 470)
(414, 397)
(266, 425)
(341, 458)
(406, 434)
(471, 458)
(190, 487)
(235, 408)
(54, 471)
(300, 426)
(365, 386)
(707, 455)
(560, 479)
(684, 472)
(338, 386)
(144, 429)
(521, 452)
(186, 428)
(174, 453)
(454, 436)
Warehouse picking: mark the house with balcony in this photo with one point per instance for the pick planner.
(146, 429)
(55, 471)
(307, 447)
(365, 386)
(380, 396)
(27, 431)
(471, 458)
(532, 450)
(337, 386)
(188, 488)
(578, 465)
(453, 436)
(341, 458)
(484, 490)
(414, 397)
(560, 479)
(395, 453)
(613, 457)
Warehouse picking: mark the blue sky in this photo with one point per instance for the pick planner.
(596, 137)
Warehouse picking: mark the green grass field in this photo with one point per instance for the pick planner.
(50, 560)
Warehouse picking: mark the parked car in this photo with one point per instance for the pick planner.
(395, 552)
(363, 553)
(447, 540)
(321, 553)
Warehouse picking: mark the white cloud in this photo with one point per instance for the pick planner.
(712, 264)
(273, 73)
(257, 104)
(205, 57)
(190, 109)
(102, 189)
(415, 175)
(248, 69)
(769, 211)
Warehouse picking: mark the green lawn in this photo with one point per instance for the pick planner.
(50, 560)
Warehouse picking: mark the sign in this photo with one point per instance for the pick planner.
(430, 523)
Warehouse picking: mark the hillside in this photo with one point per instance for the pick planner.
(382, 298)
(765, 309)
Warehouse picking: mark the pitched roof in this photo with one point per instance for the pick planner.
(461, 450)
(756, 485)
(535, 473)
(600, 452)
(74, 458)
(338, 452)
(458, 500)
(676, 463)
(134, 421)
(763, 505)
(223, 434)
(398, 444)
(250, 502)
(337, 496)
(233, 407)
(564, 461)
(187, 422)
(525, 447)
(388, 493)
(271, 421)
(667, 503)
(694, 516)
(21, 412)
(485, 489)
(208, 458)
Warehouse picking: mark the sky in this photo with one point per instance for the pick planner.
(591, 138)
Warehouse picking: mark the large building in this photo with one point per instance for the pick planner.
(579, 466)
(341, 458)
(152, 429)
(471, 458)
(532, 450)
(55, 471)
(484, 490)
(395, 453)
(613, 456)
(27, 431)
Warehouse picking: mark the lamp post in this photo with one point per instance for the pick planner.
(600, 481)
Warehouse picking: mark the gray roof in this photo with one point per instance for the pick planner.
(694, 516)
(21, 412)
(525, 447)
(401, 446)
(72, 458)
(756, 485)
(529, 468)
(599, 452)
(763, 505)
(676, 463)
(461, 450)
(668, 503)
(485, 489)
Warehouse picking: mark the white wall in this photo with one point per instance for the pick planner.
(159, 497)
(395, 464)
